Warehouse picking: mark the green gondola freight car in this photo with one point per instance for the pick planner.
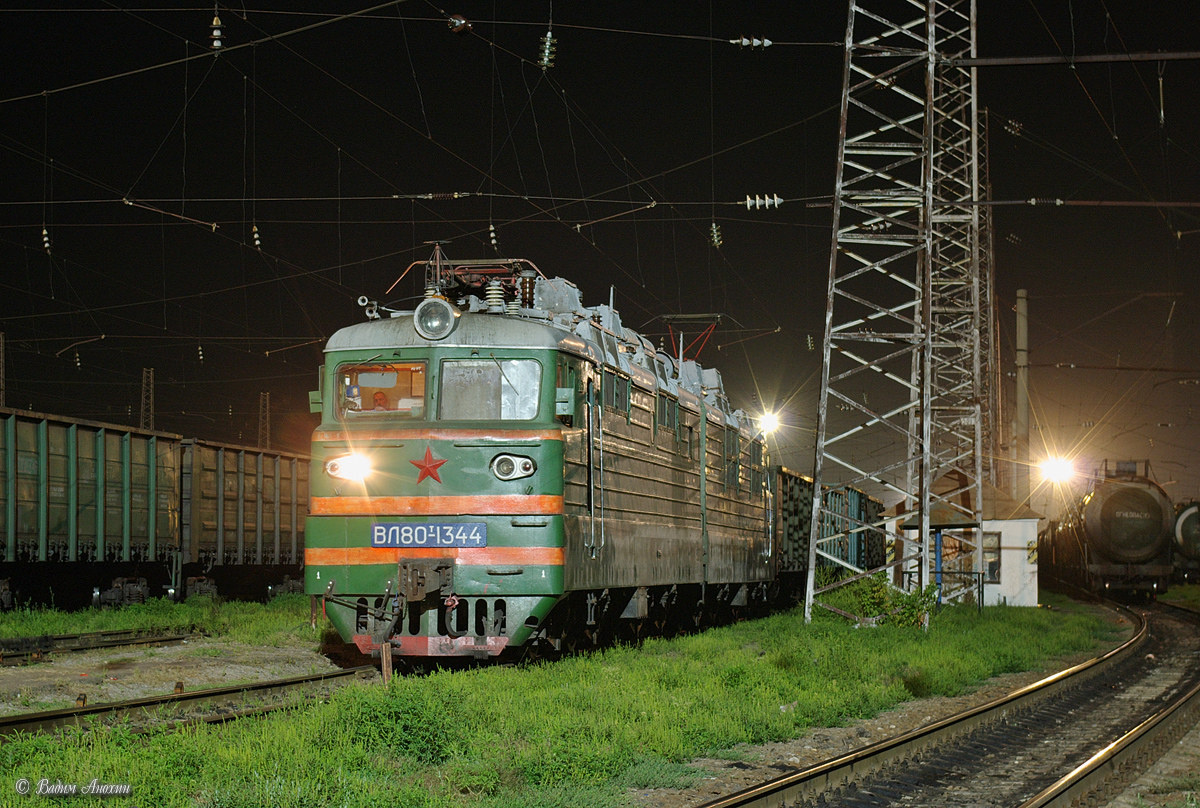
(89, 509)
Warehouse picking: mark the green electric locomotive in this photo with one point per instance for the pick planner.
(503, 469)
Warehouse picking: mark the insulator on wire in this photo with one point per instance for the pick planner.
(808, 339)
(45, 240)
(200, 352)
(751, 42)
(254, 234)
(492, 236)
(755, 202)
(714, 235)
(78, 364)
(1013, 127)
(546, 56)
(215, 36)
(458, 23)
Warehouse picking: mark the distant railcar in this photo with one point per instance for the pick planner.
(1187, 542)
(503, 469)
(1117, 537)
(84, 504)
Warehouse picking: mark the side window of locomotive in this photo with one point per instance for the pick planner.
(757, 473)
(616, 391)
(668, 413)
(732, 457)
(666, 418)
(489, 389)
(397, 388)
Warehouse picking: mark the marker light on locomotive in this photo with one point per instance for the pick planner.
(512, 467)
(435, 318)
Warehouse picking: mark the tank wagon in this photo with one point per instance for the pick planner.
(1187, 542)
(99, 513)
(1117, 537)
(503, 470)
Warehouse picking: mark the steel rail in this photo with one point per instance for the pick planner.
(23, 650)
(53, 719)
(806, 785)
(1108, 771)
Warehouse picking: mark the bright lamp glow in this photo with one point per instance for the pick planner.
(1056, 469)
(354, 467)
(769, 422)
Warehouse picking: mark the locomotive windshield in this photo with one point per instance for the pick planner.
(489, 389)
(397, 388)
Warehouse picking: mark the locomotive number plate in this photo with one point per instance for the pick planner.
(442, 534)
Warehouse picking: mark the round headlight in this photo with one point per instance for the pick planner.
(349, 467)
(505, 467)
(435, 318)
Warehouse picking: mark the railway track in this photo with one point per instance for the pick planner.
(1074, 738)
(26, 650)
(210, 705)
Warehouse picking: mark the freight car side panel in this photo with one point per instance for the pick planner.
(793, 519)
(848, 511)
(83, 491)
(75, 490)
(243, 506)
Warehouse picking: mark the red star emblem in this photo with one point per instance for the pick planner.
(428, 466)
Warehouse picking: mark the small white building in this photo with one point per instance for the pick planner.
(1010, 566)
(1008, 536)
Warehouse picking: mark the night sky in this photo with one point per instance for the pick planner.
(344, 132)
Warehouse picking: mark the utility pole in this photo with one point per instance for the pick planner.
(1021, 490)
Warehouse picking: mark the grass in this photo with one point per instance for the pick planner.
(280, 622)
(1184, 595)
(583, 731)
(1189, 800)
(1189, 782)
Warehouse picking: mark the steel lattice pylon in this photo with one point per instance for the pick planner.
(900, 413)
(264, 420)
(146, 410)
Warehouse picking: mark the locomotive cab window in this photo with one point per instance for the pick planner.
(395, 388)
(489, 389)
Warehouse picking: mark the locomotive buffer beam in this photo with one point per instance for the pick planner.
(420, 576)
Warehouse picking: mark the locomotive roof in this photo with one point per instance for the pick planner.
(557, 320)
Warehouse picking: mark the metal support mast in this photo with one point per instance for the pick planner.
(146, 412)
(991, 379)
(900, 407)
(264, 420)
